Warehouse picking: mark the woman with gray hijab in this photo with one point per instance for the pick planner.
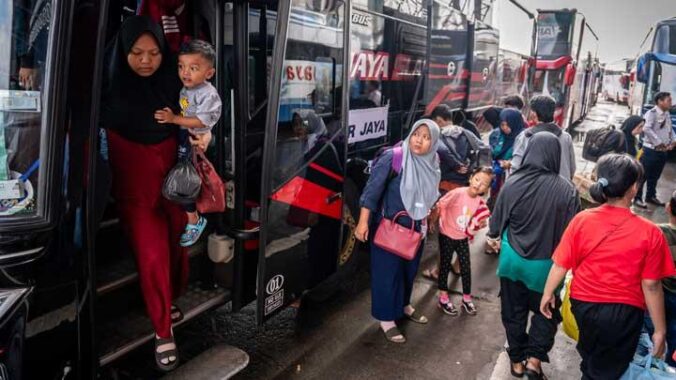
(412, 189)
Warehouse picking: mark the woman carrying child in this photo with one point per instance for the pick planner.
(461, 211)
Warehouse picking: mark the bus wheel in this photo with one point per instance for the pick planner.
(349, 243)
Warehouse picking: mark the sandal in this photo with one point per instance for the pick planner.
(430, 275)
(167, 358)
(514, 373)
(532, 374)
(176, 314)
(417, 317)
(394, 335)
(193, 232)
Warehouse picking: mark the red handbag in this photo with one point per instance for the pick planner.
(397, 239)
(212, 193)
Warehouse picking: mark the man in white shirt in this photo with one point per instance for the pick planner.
(658, 140)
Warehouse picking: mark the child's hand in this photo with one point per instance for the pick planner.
(164, 116)
(483, 224)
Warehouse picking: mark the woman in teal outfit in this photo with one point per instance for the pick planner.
(530, 215)
(502, 143)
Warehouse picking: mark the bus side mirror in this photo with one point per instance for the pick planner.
(569, 75)
(642, 69)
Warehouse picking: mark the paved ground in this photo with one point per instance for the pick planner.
(339, 340)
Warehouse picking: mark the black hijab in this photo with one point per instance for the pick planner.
(129, 100)
(536, 203)
(627, 127)
(492, 116)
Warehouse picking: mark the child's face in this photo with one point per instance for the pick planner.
(479, 184)
(505, 128)
(194, 69)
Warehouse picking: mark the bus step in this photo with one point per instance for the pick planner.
(217, 363)
(131, 330)
(122, 271)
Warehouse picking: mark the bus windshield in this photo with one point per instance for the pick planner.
(24, 43)
(550, 82)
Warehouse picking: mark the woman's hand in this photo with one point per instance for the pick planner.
(659, 347)
(362, 231)
(547, 304)
(462, 169)
(493, 244)
(165, 116)
(505, 164)
(201, 141)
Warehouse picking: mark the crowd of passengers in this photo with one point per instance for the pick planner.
(623, 276)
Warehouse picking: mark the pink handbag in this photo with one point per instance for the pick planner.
(397, 239)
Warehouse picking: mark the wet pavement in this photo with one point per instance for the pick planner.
(338, 339)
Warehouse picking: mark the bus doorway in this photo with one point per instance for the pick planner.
(304, 154)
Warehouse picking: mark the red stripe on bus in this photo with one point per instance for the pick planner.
(309, 196)
(553, 64)
(326, 172)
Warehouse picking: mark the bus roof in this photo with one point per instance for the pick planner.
(562, 10)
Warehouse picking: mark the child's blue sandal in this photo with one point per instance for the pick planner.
(193, 232)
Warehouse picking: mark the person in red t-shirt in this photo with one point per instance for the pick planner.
(618, 260)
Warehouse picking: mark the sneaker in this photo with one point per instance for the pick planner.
(448, 308)
(193, 232)
(469, 307)
(639, 203)
(655, 201)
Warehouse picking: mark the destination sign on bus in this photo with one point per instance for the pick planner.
(367, 124)
(554, 30)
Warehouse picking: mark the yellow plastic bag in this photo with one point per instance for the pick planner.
(569, 323)
(639, 154)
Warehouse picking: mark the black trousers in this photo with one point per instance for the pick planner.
(447, 247)
(517, 301)
(653, 163)
(608, 338)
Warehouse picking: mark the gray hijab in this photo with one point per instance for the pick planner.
(420, 175)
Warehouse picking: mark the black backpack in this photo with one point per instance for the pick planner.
(597, 143)
(479, 153)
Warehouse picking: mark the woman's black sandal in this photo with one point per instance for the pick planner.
(176, 314)
(514, 373)
(394, 335)
(166, 360)
(417, 317)
(534, 375)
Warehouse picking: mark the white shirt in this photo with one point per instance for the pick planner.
(657, 129)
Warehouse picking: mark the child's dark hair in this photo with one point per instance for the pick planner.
(615, 174)
(672, 204)
(200, 47)
(482, 170)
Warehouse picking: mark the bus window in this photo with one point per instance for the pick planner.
(550, 82)
(24, 43)
(554, 34)
(665, 40)
(663, 78)
(309, 111)
(262, 23)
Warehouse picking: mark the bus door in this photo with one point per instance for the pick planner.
(304, 153)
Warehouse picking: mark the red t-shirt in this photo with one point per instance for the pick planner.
(612, 273)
